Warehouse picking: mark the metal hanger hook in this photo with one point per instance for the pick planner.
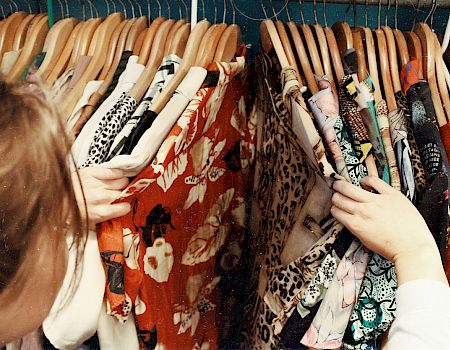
(169, 12)
(273, 10)
(133, 14)
(233, 8)
(288, 13)
(325, 13)
(124, 8)
(61, 8)
(263, 8)
(315, 11)
(300, 4)
(386, 18)
(224, 15)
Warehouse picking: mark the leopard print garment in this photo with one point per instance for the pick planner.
(420, 179)
(110, 126)
(285, 182)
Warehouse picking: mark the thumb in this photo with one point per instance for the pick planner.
(106, 174)
(372, 182)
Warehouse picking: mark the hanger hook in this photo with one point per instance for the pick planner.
(107, 8)
(415, 15)
(233, 8)
(366, 13)
(169, 11)
(124, 8)
(273, 10)
(396, 15)
(203, 9)
(263, 8)
(325, 13)
(133, 15)
(61, 8)
(114, 6)
(288, 13)
(386, 18)
(354, 13)
(15, 5)
(141, 13)
(186, 11)
(159, 8)
(431, 13)
(300, 4)
(29, 6)
(379, 14)
(3, 11)
(224, 16)
(215, 11)
(315, 11)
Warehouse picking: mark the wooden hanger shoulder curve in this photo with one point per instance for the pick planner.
(372, 62)
(402, 47)
(64, 58)
(415, 49)
(334, 53)
(179, 42)
(21, 32)
(343, 35)
(139, 41)
(33, 44)
(230, 44)
(172, 33)
(303, 58)
(323, 46)
(8, 31)
(360, 53)
(54, 45)
(442, 85)
(209, 44)
(147, 43)
(383, 57)
(113, 45)
(288, 49)
(393, 64)
(84, 39)
(136, 29)
(271, 40)
(312, 48)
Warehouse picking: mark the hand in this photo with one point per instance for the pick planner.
(101, 187)
(387, 223)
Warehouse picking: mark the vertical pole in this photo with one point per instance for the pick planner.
(194, 8)
(51, 18)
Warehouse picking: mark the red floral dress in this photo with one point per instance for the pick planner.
(164, 261)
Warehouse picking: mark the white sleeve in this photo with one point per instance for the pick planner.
(74, 316)
(423, 317)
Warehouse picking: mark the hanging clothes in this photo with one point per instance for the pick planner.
(191, 225)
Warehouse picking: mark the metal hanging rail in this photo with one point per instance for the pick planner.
(402, 3)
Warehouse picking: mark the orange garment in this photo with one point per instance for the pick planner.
(186, 227)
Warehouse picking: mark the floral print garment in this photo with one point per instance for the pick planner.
(327, 329)
(352, 118)
(383, 122)
(325, 109)
(185, 230)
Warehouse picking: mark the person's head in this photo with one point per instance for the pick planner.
(37, 208)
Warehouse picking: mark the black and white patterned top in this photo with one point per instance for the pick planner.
(110, 126)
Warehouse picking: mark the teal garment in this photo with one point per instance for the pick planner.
(385, 169)
(34, 66)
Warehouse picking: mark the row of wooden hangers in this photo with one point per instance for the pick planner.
(105, 39)
(381, 52)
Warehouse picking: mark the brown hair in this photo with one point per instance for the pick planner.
(37, 201)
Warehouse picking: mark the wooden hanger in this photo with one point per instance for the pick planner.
(117, 55)
(415, 49)
(21, 32)
(172, 33)
(98, 51)
(393, 63)
(334, 53)
(154, 61)
(425, 35)
(312, 49)
(230, 44)
(189, 57)
(84, 39)
(33, 44)
(288, 48)
(343, 35)
(113, 52)
(270, 40)
(8, 31)
(303, 58)
(402, 48)
(323, 46)
(442, 85)
(209, 43)
(360, 53)
(383, 57)
(148, 40)
(139, 41)
(179, 42)
(372, 61)
(139, 24)
(54, 44)
(64, 57)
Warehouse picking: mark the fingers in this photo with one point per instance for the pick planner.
(344, 203)
(351, 191)
(342, 216)
(116, 211)
(377, 184)
(118, 184)
(106, 174)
